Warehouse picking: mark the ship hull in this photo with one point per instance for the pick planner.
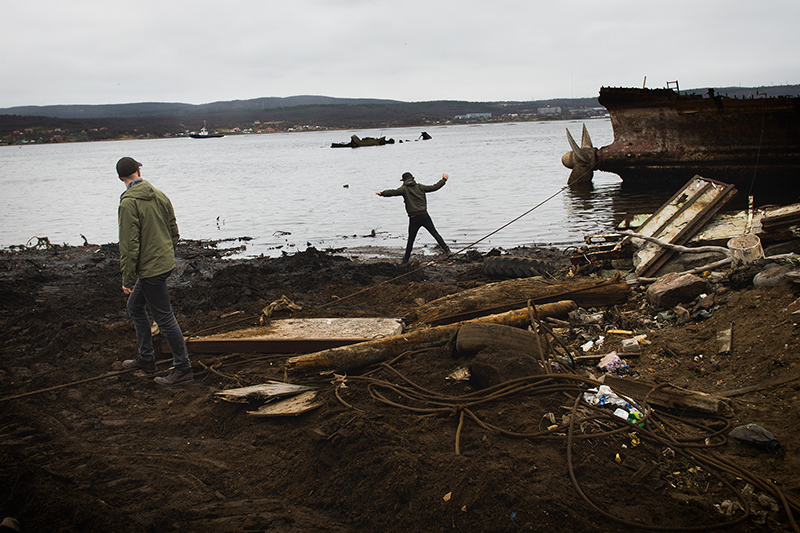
(660, 135)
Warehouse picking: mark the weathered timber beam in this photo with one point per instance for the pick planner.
(375, 351)
(670, 396)
(512, 294)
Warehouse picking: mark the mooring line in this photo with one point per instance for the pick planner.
(447, 256)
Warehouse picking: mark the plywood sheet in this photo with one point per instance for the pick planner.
(318, 328)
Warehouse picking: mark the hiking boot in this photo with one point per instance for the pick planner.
(148, 367)
(176, 377)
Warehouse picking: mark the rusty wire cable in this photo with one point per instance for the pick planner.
(655, 427)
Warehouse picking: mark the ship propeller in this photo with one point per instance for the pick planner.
(582, 159)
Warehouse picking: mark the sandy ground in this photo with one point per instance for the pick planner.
(86, 446)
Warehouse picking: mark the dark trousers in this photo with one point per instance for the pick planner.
(422, 221)
(153, 293)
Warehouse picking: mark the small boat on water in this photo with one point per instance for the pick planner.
(204, 134)
(666, 135)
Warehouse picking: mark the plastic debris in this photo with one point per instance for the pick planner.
(755, 434)
(621, 413)
(603, 395)
(612, 363)
(630, 346)
(460, 374)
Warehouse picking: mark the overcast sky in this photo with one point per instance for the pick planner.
(108, 51)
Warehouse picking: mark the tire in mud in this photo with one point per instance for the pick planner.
(474, 337)
(507, 266)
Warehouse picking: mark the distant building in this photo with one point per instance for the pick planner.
(469, 116)
(550, 110)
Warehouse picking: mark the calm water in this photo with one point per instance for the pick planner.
(291, 190)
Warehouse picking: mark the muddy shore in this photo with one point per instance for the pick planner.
(86, 446)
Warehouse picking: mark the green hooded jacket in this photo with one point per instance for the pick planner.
(148, 233)
(413, 194)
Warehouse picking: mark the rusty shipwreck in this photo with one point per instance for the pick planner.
(665, 135)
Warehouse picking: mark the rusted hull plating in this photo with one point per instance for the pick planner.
(662, 135)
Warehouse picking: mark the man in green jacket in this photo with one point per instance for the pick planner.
(413, 194)
(148, 236)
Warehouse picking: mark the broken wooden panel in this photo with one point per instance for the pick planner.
(781, 216)
(681, 217)
(263, 391)
(768, 223)
(297, 335)
(597, 253)
(296, 405)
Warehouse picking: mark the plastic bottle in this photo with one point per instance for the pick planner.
(755, 434)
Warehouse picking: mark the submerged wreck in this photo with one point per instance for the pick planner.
(665, 135)
(356, 142)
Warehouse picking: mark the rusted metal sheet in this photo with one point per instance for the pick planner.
(681, 217)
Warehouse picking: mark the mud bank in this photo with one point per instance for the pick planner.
(86, 447)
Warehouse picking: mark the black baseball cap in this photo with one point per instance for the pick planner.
(127, 166)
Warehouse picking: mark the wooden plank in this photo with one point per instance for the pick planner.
(317, 328)
(296, 335)
(679, 219)
(264, 391)
(294, 406)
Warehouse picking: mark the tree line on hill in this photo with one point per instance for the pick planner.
(66, 123)
(147, 120)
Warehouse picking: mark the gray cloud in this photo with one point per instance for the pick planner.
(92, 52)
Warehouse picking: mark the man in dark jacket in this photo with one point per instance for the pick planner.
(413, 194)
(148, 236)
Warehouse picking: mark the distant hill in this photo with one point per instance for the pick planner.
(256, 105)
(65, 123)
(155, 109)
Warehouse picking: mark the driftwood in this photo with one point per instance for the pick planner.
(683, 249)
(677, 247)
(375, 351)
(264, 391)
(512, 294)
(670, 396)
(294, 406)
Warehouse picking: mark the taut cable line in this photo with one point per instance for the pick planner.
(447, 256)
